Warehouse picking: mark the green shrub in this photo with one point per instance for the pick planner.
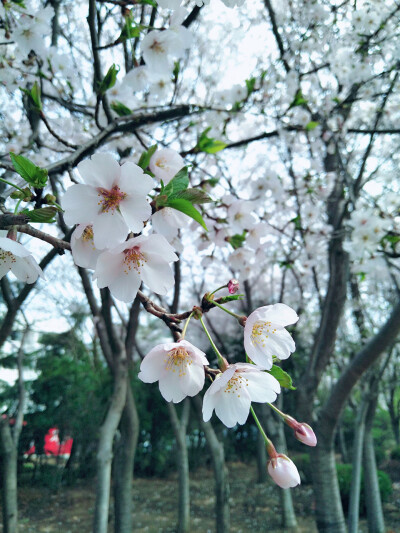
(345, 473)
(395, 454)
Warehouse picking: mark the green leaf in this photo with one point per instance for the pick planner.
(180, 182)
(146, 156)
(35, 176)
(236, 241)
(298, 99)
(186, 207)
(297, 222)
(120, 109)
(312, 125)
(109, 79)
(44, 214)
(283, 377)
(250, 84)
(148, 2)
(35, 95)
(231, 298)
(209, 145)
(194, 196)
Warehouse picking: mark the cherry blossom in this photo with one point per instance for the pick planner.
(233, 391)
(165, 164)
(113, 199)
(178, 367)
(84, 252)
(265, 335)
(283, 471)
(167, 221)
(123, 268)
(15, 257)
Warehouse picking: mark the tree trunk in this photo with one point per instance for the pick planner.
(376, 523)
(9, 482)
(104, 455)
(220, 472)
(329, 511)
(123, 465)
(358, 440)
(179, 428)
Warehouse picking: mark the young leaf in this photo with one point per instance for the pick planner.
(109, 79)
(120, 109)
(209, 144)
(180, 182)
(283, 377)
(35, 95)
(35, 176)
(237, 240)
(231, 298)
(194, 196)
(146, 156)
(312, 125)
(186, 207)
(298, 99)
(44, 214)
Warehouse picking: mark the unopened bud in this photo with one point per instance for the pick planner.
(302, 431)
(50, 199)
(306, 435)
(283, 471)
(233, 286)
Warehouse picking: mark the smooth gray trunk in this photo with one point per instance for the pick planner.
(220, 472)
(123, 465)
(9, 481)
(329, 511)
(179, 427)
(105, 448)
(358, 441)
(376, 523)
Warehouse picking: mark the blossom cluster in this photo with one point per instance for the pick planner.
(111, 205)
(180, 369)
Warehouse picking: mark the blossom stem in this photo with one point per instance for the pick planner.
(216, 290)
(186, 325)
(278, 411)
(12, 185)
(221, 362)
(17, 206)
(268, 442)
(225, 309)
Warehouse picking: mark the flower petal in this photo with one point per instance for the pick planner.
(109, 229)
(102, 170)
(81, 204)
(134, 180)
(135, 210)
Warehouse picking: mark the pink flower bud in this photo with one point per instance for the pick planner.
(283, 471)
(233, 286)
(305, 434)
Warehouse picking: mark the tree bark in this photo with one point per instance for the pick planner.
(123, 465)
(9, 482)
(179, 427)
(220, 472)
(358, 441)
(330, 517)
(373, 502)
(329, 512)
(105, 447)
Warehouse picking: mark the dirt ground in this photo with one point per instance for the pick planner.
(254, 507)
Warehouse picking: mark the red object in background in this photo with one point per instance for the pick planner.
(52, 445)
(51, 442)
(66, 446)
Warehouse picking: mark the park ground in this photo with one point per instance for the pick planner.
(254, 507)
